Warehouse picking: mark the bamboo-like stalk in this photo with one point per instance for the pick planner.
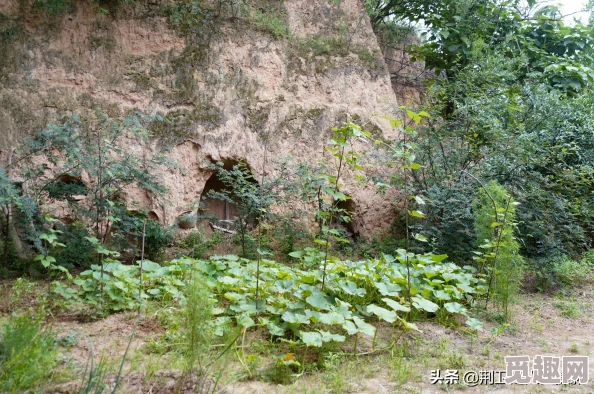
(141, 262)
(260, 229)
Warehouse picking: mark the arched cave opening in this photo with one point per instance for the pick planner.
(348, 208)
(220, 213)
(67, 187)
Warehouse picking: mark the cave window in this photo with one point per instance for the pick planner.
(219, 212)
(211, 207)
(349, 207)
(67, 187)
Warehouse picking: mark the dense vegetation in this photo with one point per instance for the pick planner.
(495, 171)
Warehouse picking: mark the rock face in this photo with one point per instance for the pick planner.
(278, 75)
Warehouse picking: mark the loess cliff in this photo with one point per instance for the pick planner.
(278, 77)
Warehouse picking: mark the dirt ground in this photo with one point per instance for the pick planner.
(557, 325)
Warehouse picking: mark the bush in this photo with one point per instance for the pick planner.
(570, 272)
(287, 233)
(449, 222)
(78, 252)
(495, 224)
(9, 261)
(127, 236)
(28, 355)
(157, 239)
(197, 245)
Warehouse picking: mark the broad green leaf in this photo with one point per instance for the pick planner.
(275, 329)
(244, 320)
(454, 307)
(318, 300)
(148, 265)
(388, 289)
(474, 323)
(395, 305)
(420, 237)
(331, 318)
(424, 304)
(382, 313)
(295, 318)
(350, 327)
(311, 338)
(441, 295)
(351, 288)
(364, 327)
(329, 337)
(438, 257)
(417, 214)
(410, 326)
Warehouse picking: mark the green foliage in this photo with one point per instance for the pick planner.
(77, 252)
(514, 106)
(290, 304)
(555, 52)
(326, 186)
(287, 233)
(197, 245)
(128, 231)
(157, 238)
(199, 338)
(500, 259)
(251, 200)
(53, 7)
(114, 287)
(49, 242)
(15, 208)
(99, 149)
(96, 374)
(292, 307)
(572, 273)
(28, 355)
(271, 22)
(198, 331)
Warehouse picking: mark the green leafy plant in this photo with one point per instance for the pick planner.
(98, 149)
(402, 153)
(49, 241)
(271, 22)
(294, 309)
(570, 272)
(501, 259)
(197, 245)
(28, 355)
(328, 186)
(113, 286)
(250, 198)
(199, 338)
(291, 305)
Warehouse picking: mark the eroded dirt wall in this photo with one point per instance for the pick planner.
(226, 91)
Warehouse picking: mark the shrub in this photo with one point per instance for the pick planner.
(127, 236)
(157, 239)
(28, 355)
(197, 245)
(450, 221)
(78, 252)
(570, 272)
(270, 22)
(495, 224)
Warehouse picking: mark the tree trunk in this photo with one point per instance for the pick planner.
(11, 230)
